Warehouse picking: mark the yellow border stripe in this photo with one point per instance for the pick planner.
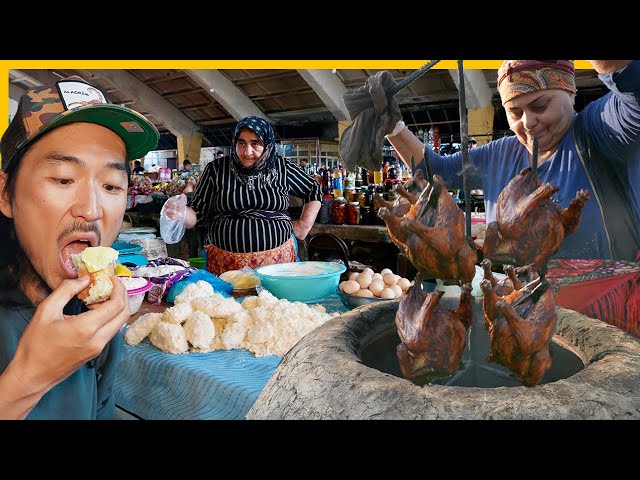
(252, 64)
(4, 98)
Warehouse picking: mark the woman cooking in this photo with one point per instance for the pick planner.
(243, 199)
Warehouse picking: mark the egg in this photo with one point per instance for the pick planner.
(350, 287)
(404, 284)
(398, 277)
(389, 278)
(385, 270)
(364, 279)
(364, 292)
(368, 271)
(387, 293)
(376, 276)
(353, 275)
(397, 291)
(376, 287)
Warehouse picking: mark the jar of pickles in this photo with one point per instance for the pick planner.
(338, 211)
(353, 213)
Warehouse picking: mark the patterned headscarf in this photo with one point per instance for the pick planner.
(265, 166)
(517, 77)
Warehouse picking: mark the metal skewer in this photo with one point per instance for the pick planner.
(412, 78)
(464, 140)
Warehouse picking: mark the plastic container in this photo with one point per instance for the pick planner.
(354, 301)
(136, 295)
(301, 281)
(196, 262)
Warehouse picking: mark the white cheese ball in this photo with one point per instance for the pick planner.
(389, 278)
(141, 328)
(199, 330)
(250, 303)
(364, 279)
(404, 284)
(178, 313)
(233, 335)
(387, 293)
(261, 332)
(376, 287)
(169, 337)
(365, 292)
(350, 287)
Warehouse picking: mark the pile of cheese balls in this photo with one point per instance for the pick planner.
(385, 284)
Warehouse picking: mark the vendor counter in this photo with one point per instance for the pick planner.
(218, 385)
(362, 233)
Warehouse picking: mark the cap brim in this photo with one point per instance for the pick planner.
(139, 135)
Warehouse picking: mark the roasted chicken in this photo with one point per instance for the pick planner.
(433, 338)
(529, 227)
(409, 193)
(521, 326)
(432, 234)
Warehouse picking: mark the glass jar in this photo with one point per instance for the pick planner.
(338, 211)
(353, 213)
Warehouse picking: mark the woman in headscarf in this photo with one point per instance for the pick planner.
(243, 199)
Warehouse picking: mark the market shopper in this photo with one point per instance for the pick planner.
(137, 167)
(596, 149)
(63, 186)
(243, 199)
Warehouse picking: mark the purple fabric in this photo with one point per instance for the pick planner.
(163, 283)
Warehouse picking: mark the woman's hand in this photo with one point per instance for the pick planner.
(300, 229)
(307, 218)
(175, 207)
(54, 345)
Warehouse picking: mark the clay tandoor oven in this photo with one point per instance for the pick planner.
(338, 372)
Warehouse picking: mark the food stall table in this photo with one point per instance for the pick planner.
(218, 385)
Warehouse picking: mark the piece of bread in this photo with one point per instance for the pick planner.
(97, 262)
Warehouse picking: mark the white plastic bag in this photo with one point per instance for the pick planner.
(172, 219)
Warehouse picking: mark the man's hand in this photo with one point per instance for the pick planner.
(54, 345)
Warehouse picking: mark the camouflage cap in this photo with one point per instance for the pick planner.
(71, 100)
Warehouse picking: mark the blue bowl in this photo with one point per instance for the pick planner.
(301, 281)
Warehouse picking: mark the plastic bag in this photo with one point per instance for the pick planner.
(241, 279)
(172, 219)
(219, 286)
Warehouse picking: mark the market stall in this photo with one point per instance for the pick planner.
(218, 385)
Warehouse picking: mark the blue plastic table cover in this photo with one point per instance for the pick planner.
(218, 385)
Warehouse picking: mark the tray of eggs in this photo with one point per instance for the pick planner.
(366, 287)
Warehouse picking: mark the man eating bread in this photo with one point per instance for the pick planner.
(63, 190)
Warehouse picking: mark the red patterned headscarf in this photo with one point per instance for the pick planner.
(517, 77)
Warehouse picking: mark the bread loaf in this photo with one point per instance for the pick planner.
(97, 262)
